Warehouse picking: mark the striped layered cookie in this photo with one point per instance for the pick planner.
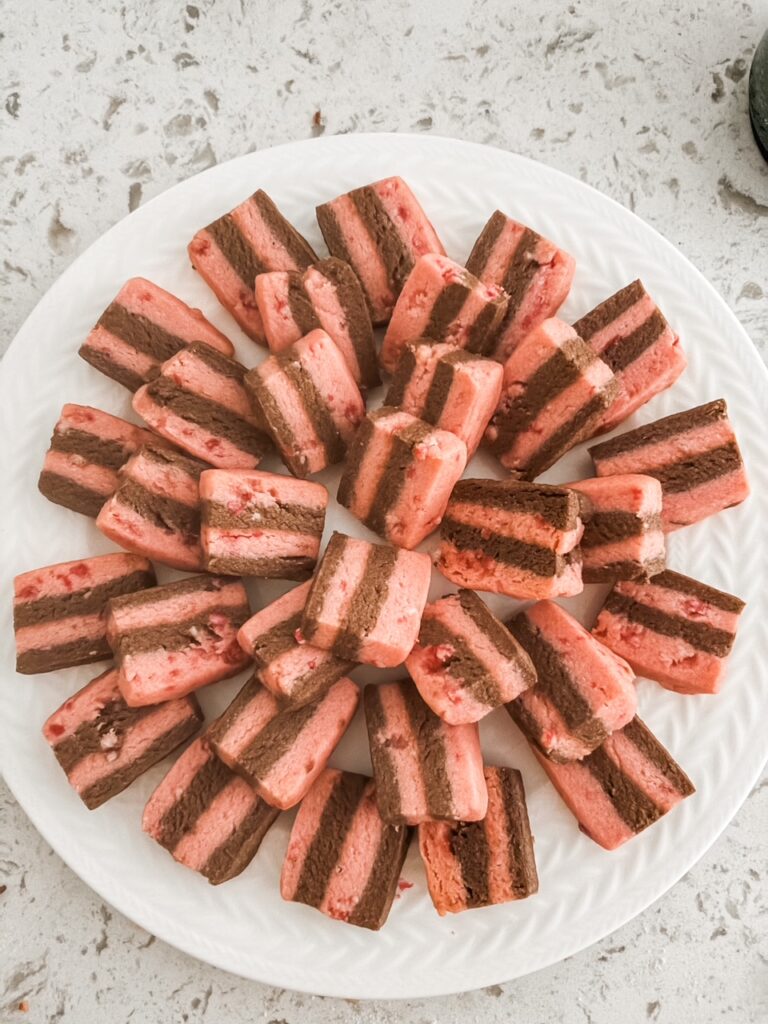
(466, 662)
(280, 752)
(621, 788)
(366, 600)
(380, 230)
(309, 401)
(623, 538)
(293, 670)
(327, 295)
(143, 327)
(693, 454)
(261, 524)
(103, 745)
(555, 391)
(251, 239)
(534, 272)
(341, 858)
(443, 301)
(59, 611)
(171, 640)
(198, 401)
(400, 474)
(155, 510)
(671, 628)
(208, 818)
(87, 449)
(425, 769)
(511, 537)
(447, 386)
(629, 332)
(583, 693)
(481, 863)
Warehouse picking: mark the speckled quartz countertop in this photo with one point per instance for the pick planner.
(104, 105)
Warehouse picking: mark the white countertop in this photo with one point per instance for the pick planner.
(105, 105)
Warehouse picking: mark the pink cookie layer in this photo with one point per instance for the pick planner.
(333, 317)
(143, 298)
(272, 298)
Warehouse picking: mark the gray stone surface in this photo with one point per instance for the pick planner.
(104, 105)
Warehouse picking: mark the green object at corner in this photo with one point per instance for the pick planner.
(758, 95)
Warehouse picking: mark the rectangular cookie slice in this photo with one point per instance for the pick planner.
(59, 611)
(466, 662)
(142, 327)
(621, 788)
(155, 510)
(693, 454)
(251, 239)
(171, 640)
(511, 537)
(327, 295)
(623, 538)
(534, 272)
(261, 524)
(366, 600)
(399, 475)
(293, 670)
(281, 751)
(103, 745)
(198, 402)
(206, 816)
(481, 863)
(449, 387)
(442, 301)
(381, 231)
(87, 449)
(342, 858)
(629, 332)
(583, 692)
(555, 391)
(671, 628)
(309, 402)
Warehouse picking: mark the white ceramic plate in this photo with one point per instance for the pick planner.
(585, 893)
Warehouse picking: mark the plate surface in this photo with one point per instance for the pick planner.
(585, 893)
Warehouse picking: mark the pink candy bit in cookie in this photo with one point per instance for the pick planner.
(103, 745)
(447, 386)
(341, 858)
(555, 391)
(249, 240)
(327, 295)
(87, 449)
(443, 301)
(309, 402)
(281, 752)
(155, 510)
(628, 331)
(366, 601)
(693, 454)
(208, 818)
(198, 401)
(295, 671)
(380, 230)
(621, 788)
(143, 327)
(583, 691)
(513, 538)
(671, 628)
(481, 863)
(425, 769)
(59, 611)
(622, 538)
(535, 274)
(466, 662)
(172, 640)
(399, 475)
(261, 524)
